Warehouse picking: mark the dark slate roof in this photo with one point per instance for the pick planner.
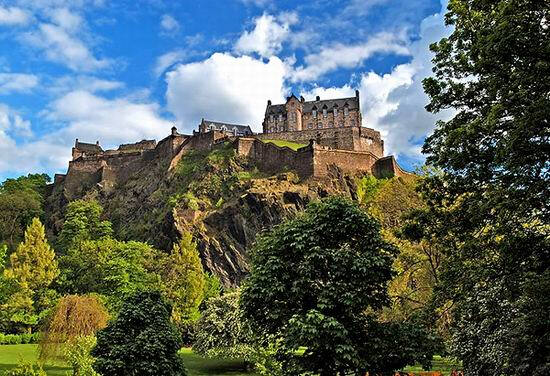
(240, 128)
(90, 148)
(352, 102)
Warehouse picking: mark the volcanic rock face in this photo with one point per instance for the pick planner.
(217, 196)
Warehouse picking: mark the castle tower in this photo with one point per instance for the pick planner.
(294, 111)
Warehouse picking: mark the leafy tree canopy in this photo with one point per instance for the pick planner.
(141, 340)
(83, 222)
(316, 281)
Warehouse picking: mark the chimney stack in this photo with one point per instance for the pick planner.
(302, 99)
(97, 143)
(357, 94)
(76, 143)
(174, 131)
(269, 102)
(318, 98)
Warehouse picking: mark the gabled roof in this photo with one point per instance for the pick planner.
(218, 126)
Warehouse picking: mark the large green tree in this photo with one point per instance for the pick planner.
(83, 221)
(141, 340)
(317, 281)
(21, 200)
(33, 267)
(489, 208)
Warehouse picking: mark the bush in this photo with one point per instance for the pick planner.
(79, 358)
(141, 341)
(25, 369)
(17, 339)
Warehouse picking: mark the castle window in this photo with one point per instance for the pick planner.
(330, 125)
(352, 122)
(309, 126)
(341, 124)
(325, 112)
(335, 112)
(320, 125)
(346, 111)
(314, 113)
(271, 118)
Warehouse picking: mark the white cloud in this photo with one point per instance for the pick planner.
(13, 16)
(258, 3)
(268, 35)
(66, 19)
(65, 84)
(60, 45)
(169, 23)
(394, 103)
(225, 88)
(340, 55)
(78, 114)
(12, 123)
(17, 82)
(167, 60)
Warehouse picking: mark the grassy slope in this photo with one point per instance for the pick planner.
(290, 144)
(197, 366)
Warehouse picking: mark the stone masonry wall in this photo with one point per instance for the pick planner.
(345, 160)
(346, 138)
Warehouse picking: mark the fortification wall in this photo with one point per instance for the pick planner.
(138, 146)
(346, 160)
(271, 158)
(346, 138)
(388, 166)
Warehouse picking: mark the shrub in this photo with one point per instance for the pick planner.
(79, 358)
(141, 341)
(17, 339)
(25, 369)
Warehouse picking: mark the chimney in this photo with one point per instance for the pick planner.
(318, 98)
(174, 131)
(357, 94)
(97, 143)
(76, 143)
(302, 99)
(269, 102)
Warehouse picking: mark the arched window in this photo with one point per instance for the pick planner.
(280, 117)
(314, 113)
(309, 126)
(341, 124)
(212, 127)
(234, 131)
(325, 114)
(346, 111)
(331, 125)
(335, 111)
(271, 118)
(320, 125)
(224, 128)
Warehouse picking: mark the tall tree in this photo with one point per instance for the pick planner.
(21, 200)
(316, 282)
(82, 222)
(489, 208)
(32, 268)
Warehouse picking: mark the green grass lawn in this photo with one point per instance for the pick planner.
(196, 365)
(282, 143)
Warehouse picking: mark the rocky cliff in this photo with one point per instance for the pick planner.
(218, 196)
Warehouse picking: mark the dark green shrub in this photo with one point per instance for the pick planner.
(141, 341)
(17, 339)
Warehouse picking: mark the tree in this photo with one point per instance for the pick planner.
(110, 268)
(222, 332)
(141, 340)
(72, 318)
(316, 282)
(33, 268)
(184, 280)
(21, 200)
(83, 222)
(489, 208)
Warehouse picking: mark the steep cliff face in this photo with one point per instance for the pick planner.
(221, 198)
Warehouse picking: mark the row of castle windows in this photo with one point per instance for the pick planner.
(310, 126)
(314, 114)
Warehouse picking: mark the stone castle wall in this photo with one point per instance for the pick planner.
(347, 138)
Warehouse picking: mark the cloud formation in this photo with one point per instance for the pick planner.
(236, 90)
(17, 83)
(268, 35)
(13, 16)
(169, 24)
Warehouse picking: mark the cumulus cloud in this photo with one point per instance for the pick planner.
(394, 103)
(17, 83)
(167, 60)
(258, 3)
(77, 114)
(169, 24)
(12, 123)
(268, 35)
(65, 84)
(340, 55)
(13, 16)
(236, 89)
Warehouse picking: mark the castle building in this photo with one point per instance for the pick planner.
(299, 114)
(234, 130)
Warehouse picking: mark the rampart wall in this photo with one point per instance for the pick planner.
(346, 138)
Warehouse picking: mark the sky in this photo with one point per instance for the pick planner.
(126, 70)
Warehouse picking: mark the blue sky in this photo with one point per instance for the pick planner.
(121, 71)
